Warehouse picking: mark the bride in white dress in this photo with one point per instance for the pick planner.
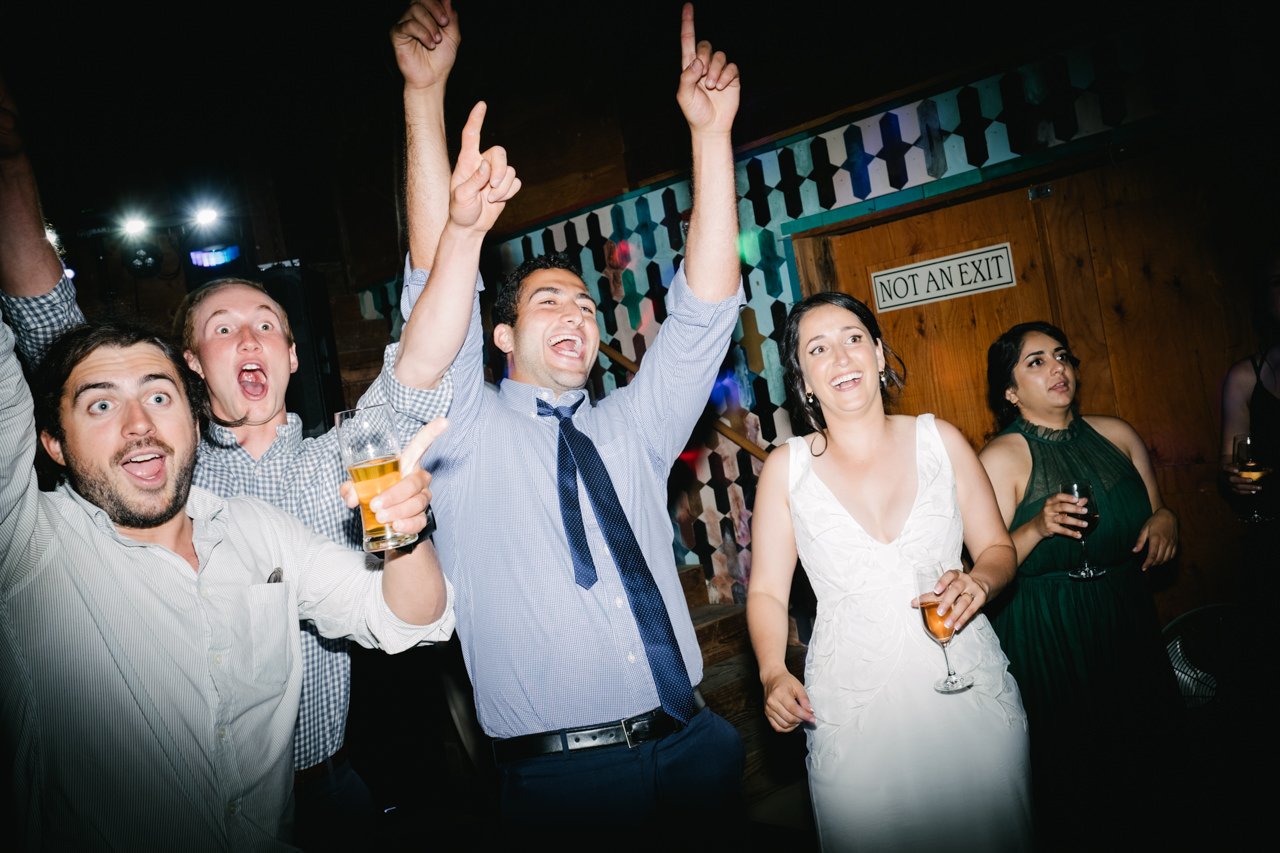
(893, 764)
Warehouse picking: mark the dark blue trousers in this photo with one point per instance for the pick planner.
(659, 790)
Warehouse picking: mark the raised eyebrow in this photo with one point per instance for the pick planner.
(262, 307)
(534, 294)
(821, 335)
(160, 377)
(81, 390)
(578, 296)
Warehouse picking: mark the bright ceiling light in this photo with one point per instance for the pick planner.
(206, 216)
(133, 226)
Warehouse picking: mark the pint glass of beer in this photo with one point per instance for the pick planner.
(371, 454)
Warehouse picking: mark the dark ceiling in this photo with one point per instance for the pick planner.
(119, 96)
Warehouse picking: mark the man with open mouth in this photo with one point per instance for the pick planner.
(238, 339)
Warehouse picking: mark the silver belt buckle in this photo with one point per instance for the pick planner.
(627, 726)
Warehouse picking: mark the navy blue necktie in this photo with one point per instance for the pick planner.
(576, 454)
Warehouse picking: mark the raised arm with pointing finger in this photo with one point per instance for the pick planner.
(708, 96)
(572, 618)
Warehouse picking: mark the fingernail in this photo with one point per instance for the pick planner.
(375, 504)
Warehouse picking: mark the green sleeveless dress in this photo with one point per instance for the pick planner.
(1096, 680)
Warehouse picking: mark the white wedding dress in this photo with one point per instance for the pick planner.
(893, 764)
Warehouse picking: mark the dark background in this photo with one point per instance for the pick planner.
(297, 107)
(127, 100)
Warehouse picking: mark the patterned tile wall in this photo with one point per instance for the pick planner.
(630, 247)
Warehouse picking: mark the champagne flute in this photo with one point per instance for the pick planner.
(1252, 468)
(927, 575)
(1081, 490)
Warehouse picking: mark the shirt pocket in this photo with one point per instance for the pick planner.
(272, 619)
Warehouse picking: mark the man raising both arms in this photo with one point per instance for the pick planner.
(572, 619)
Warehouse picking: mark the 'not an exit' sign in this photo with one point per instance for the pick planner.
(975, 271)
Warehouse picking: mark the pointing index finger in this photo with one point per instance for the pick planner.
(471, 130)
(688, 39)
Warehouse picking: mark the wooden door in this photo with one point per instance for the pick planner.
(1126, 258)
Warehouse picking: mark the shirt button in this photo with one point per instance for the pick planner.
(617, 602)
(217, 660)
(233, 807)
(222, 732)
(631, 658)
(204, 593)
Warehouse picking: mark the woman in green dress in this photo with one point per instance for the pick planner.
(1099, 690)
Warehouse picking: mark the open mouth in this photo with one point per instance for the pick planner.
(146, 465)
(253, 380)
(846, 381)
(569, 346)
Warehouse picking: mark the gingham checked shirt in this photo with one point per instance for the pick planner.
(299, 475)
(147, 706)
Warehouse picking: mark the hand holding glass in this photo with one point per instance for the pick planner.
(935, 626)
(371, 454)
(1081, 490)
(1251, 468)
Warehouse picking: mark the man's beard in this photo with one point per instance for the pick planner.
(95, 488)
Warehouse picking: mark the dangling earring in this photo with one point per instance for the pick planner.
(884, 383)
(810, 400)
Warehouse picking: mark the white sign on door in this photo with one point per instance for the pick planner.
(975, 271)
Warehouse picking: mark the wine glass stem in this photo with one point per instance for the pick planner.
(951, 673)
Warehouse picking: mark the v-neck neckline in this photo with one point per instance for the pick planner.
(914, 501)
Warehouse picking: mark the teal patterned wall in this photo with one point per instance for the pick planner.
(629, 247)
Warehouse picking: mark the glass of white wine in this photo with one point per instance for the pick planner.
(927, 575)
(1251, 467)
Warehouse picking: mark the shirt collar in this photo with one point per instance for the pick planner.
(219, 436)
(204, 508)
(523, 398)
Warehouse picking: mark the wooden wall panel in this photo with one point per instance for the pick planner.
(944, 344)
(1073, 292)
(1129, 259)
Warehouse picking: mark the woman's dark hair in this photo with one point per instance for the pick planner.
(810, 414)
(508, 298)
(78, 343)
(1002, 358)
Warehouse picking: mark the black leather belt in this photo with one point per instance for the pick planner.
(632, 731)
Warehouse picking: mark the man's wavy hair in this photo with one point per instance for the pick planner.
(507, 301)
